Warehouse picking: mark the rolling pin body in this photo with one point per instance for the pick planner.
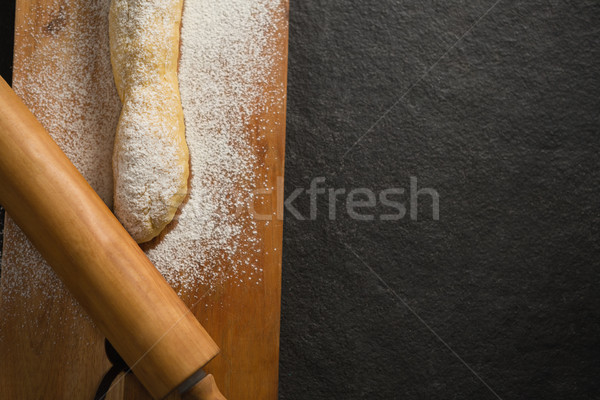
(102, 266)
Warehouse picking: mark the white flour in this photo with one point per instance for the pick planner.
(225, 62)
(226, 56)
(67, 83)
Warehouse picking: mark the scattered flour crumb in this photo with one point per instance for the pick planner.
(224, 67)
(225, 62)
(70, 90)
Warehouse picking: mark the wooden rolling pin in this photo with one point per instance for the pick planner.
(102, 266)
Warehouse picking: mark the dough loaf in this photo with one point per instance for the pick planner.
(150, 157)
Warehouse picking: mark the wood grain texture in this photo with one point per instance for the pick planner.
(51, 349)
(101, 265)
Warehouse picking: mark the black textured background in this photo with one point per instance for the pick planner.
(496, 109)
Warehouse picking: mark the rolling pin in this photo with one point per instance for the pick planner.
(100, 264)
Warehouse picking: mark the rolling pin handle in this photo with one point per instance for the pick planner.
(206, 389)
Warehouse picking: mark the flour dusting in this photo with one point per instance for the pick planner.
(226, 58)
(224, 67)
(65, 79)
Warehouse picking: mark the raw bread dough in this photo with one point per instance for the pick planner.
(150, 157)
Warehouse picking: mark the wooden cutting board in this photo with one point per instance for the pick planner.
(48, 347)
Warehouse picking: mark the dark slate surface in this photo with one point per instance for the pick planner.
(498, 111)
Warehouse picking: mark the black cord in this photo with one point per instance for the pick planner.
(118, 365)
